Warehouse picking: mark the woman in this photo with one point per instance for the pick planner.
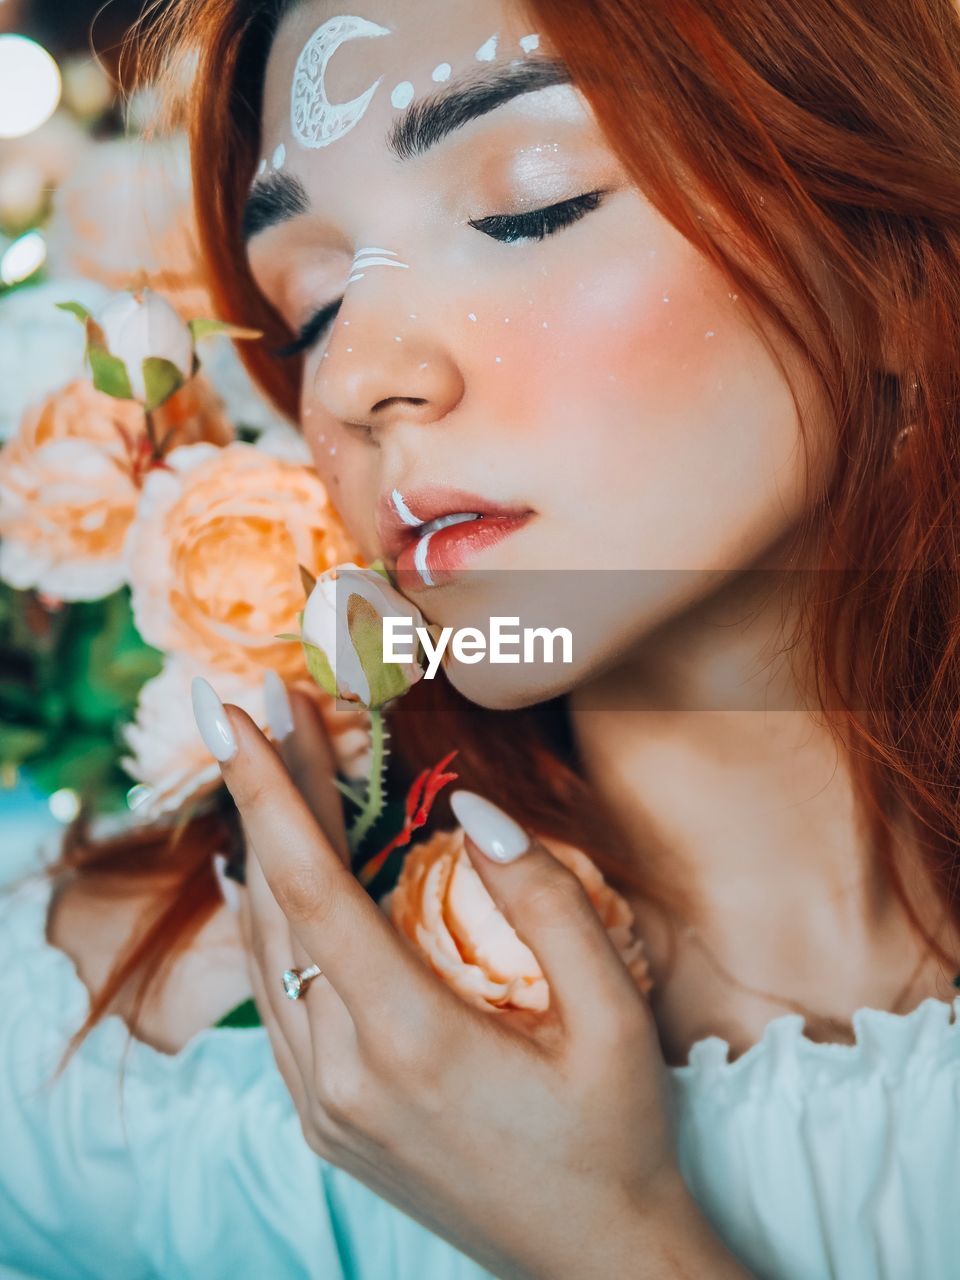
(674, 285)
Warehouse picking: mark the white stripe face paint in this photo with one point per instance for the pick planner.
(314, 120)
(402, 510)
(488, 51)
(365, 258)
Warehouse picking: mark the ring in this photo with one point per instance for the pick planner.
(296, 981)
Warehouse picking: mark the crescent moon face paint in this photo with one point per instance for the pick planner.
(315, 121)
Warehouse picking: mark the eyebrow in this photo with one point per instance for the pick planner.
(279, 196)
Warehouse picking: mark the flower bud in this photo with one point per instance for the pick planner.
(342, 634)
(143, 326)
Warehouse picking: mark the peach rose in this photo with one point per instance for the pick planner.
(70, 484)
(213, 556)
(441, 905)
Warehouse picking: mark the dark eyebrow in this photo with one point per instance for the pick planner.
(427, 122)
(279, 196)
(273, 199)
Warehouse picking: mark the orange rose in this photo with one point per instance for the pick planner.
(441, 905)
(213, 556)
(69, 485)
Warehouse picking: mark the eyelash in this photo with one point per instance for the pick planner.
(537, 224)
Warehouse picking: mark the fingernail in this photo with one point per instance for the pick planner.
(228, 890)
(494, 831)
(211, 717)
(279, 711)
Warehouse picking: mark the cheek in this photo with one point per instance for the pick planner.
(665, 404)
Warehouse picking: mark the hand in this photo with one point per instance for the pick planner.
(540, 1145)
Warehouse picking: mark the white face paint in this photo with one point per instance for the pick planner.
(365, 258)
(314, 119)
(262, 167)
(402, 95)
(280, 157)
(441, 72)
(488, 51)
(529, 43)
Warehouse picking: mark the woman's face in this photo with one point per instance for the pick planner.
(600, 380)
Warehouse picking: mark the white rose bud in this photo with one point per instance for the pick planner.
(144, 326)
(342, 634)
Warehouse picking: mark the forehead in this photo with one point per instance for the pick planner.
(336, 81)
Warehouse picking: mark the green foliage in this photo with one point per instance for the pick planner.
(109, 374)
(69, 678)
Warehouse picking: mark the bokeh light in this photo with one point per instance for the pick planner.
(30, 86)
(22, 258)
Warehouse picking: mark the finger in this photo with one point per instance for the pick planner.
(287, 1064)
(548, 907)
(298, 729)
(273, 953)
(336, 920)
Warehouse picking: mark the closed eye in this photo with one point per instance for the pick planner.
(535, 224)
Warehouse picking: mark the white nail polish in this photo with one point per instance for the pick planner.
(279, 711)
(228, 888)
(494, 831)
(212, 721)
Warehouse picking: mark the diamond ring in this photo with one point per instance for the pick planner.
(296, 981)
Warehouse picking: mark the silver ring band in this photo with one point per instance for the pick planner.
(296, 981)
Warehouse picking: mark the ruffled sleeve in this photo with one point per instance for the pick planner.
(195, 1165)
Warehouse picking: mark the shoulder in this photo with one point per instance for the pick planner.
(93, 922)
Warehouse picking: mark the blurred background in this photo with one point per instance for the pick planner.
(94, 198)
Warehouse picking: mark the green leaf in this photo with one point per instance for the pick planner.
(244, 1016)
(387, 680)
(75, 309)
(109, 374)
(201, 328)
(378, 566)
(162, 379)
(320, 669)
(285, 635)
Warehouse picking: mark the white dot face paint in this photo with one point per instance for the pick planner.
(366, 258)
(314, 119)
(280, 157)
(262, 167)
(529, 43)
(441, 72)
(488, 51)
(402, 95)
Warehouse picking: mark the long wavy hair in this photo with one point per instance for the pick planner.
(844, 117)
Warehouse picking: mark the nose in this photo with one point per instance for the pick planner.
(386, 361)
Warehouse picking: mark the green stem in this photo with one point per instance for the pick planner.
(373, 806)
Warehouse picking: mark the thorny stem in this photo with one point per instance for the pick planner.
(373, 805)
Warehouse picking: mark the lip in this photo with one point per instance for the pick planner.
(397, 535)
(448, 550)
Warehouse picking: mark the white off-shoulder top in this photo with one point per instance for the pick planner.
(811, 1160)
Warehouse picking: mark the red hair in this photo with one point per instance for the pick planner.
(798, 127)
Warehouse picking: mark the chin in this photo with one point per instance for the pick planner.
(508, 687)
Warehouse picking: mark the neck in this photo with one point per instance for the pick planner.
(704, 743)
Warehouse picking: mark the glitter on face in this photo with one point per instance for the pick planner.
(402, 95)
(488, 51)
(471, 316)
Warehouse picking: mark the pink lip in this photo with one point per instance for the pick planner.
(428, 504)
(451, 548)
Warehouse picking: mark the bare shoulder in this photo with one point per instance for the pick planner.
(93, 922)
